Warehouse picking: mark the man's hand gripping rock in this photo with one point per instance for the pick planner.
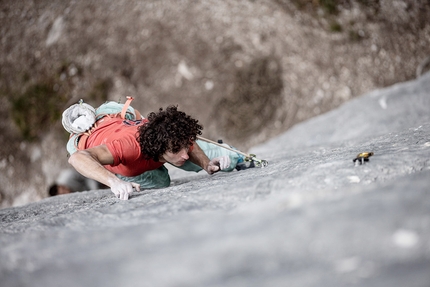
(218, 163)
(123, 189)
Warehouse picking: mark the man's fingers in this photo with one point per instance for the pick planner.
(123, 190)
(214, 168)
(136, 186)
(224, 162)
(218, 163)
(123, 194)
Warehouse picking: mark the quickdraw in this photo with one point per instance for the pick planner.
(362, 157)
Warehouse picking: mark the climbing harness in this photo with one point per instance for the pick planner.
(362, 157)
(250, 158)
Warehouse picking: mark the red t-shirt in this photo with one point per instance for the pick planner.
(120, 137)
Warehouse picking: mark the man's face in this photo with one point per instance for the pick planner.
(177, 159)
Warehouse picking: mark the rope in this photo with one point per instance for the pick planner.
(223, 146)
(78, 118)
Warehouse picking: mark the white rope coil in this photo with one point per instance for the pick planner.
(79, 118)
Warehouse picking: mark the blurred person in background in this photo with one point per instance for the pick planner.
(69, 181)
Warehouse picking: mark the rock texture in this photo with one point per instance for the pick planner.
(311, 218)
(247, 69)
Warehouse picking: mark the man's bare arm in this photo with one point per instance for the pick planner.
(90, 163)
(197, 156)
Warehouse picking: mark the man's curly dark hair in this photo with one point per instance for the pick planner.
(168, 130)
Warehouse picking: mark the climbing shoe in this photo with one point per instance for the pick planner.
(245, 164)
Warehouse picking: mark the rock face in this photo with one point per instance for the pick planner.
(248, 70)
(311, 218)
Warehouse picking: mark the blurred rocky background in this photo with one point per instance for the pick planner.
(247, 69)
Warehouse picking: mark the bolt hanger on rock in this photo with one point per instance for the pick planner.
(363, 157)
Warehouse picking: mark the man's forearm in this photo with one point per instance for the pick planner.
(89, 167)
(90, 163)
(198, 157)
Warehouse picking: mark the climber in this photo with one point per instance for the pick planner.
(130, 154)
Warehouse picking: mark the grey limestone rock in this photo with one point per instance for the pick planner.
(311, 218)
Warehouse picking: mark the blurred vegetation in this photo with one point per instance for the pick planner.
(256, 97)
(331, 7)
(335, 26)
(38, 107)
(100, 91)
